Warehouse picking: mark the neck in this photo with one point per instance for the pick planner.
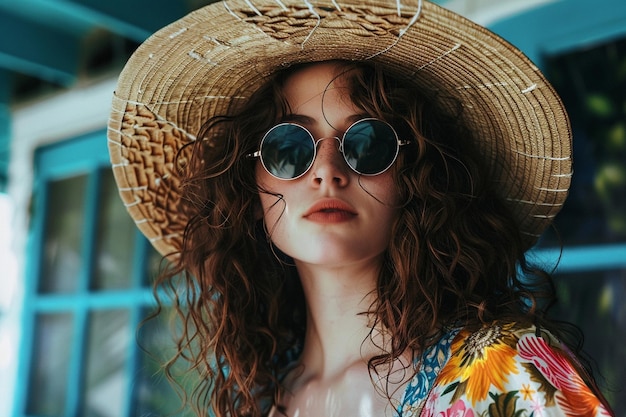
(339, 332)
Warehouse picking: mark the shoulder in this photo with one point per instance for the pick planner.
(510, 369)
(429, 365)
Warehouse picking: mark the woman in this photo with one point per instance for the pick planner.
(347, 222)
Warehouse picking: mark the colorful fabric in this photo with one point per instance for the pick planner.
(429, 366)
(502, 370)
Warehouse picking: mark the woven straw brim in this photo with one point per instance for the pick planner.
(210, 62)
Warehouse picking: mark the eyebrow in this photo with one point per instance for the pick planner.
(297, 118)
(307, 120)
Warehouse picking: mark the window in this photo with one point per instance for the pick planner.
(88, 289)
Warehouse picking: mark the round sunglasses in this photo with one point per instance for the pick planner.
(369, 146)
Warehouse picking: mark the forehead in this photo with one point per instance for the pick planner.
(318, 85)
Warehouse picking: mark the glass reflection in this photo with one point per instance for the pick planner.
(50, 365)
(107, 353)
(115, 239)
(63, 235)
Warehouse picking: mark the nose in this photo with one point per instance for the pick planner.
(329, 166)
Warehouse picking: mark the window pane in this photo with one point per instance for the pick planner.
(592, 84)
(116, 239)
(63, 235)
(108, 349)
(51, 357)
(594, 302)
(154, 395)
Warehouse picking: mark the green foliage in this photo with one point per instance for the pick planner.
(592, 84)
(599, 105)
(504, 405)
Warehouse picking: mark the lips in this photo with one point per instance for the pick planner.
(330, 211)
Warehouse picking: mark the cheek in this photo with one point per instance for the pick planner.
(383, 188)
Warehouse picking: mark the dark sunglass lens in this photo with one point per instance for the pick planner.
(370, 146)
(287, 151)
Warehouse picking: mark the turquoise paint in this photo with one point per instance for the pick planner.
(582, 258)
(5, 127)
(38, 50)
(32, 270)
(563, 25)
(133, 13)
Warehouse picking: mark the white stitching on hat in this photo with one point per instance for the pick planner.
(413, 20)
(178, 32)
(139, 103)
(487, 85)
(529, 234)
(440, 57)
(215, 40)
(532, 203)
(319, 21)
(548, 158)
(282, 6)
(140, 188)
(402, 31)
(134, 203)
(529, 89)
(544, 216)
(553, 190)
(228, 9)
(197, 56)
(254, 9)
(171, 235)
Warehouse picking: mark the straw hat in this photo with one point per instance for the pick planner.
(210, 61)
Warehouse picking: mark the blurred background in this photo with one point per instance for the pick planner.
(75, 274)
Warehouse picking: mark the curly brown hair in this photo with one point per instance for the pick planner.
(456, 256)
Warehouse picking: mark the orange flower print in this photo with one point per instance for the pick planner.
(526, 391)
(575, 397)
(480, 360)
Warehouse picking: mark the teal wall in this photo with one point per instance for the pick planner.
(561, 26)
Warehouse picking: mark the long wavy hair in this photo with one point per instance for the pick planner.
(456, 256)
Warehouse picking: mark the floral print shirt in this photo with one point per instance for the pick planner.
(501, 370)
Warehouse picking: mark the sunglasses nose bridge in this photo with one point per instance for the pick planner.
(336, 152)
(318, 141)
(339, 142)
